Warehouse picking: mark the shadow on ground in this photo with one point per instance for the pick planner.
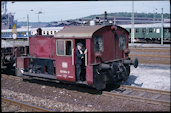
(131, 81)
(8, 71)
(68, 86)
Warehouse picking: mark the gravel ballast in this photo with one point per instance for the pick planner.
(60, 98)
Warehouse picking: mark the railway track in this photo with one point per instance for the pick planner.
(147, 55)
(151, 55)
(150, 96)
(150, 49)
(25, 106)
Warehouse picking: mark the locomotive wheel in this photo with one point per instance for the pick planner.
(99, 78)
(122, 72)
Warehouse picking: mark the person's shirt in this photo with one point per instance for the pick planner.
(81, 53)
(78, 56)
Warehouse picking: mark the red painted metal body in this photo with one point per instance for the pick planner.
(41, 46)
(111, 44)
(64, 68)
(46, 47)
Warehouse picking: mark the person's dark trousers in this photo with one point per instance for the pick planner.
(78, 71)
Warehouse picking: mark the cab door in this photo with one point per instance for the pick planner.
(84, 60)
(65, 68)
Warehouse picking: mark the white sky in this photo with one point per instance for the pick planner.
(57, 10)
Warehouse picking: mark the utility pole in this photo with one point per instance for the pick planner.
(40, 12)
(28, 27)
(114, 19)
(8, 22)
(162, 27)
(132, 30)
(154, 18)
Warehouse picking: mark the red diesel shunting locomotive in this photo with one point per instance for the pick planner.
(106, 61)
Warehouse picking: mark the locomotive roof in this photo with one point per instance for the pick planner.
(78, 31)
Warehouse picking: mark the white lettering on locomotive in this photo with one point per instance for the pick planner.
(63, 71)
(59, 75)
(64, 64)
(64, 76)
(70, 77)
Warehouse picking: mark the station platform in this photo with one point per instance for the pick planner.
(13, 43)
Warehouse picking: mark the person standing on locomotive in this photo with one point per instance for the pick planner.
(79, 55)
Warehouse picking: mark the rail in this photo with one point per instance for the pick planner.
(25, 105)
(146, 55)
(151, 96)
(150, 49)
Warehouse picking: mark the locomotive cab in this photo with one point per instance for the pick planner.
(53, 57)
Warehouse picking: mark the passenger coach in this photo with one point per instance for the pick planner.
(106, 62)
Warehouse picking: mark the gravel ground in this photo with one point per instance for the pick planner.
(52, 104)
(6, 107)
(151, 76)
(61, 98)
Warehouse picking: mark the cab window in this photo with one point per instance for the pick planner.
(122, 42)
(98, 44)
(64, 47)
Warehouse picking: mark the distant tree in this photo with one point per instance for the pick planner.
(128, 14)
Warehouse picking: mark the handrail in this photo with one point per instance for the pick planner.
(86, 59)
(73, 56)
